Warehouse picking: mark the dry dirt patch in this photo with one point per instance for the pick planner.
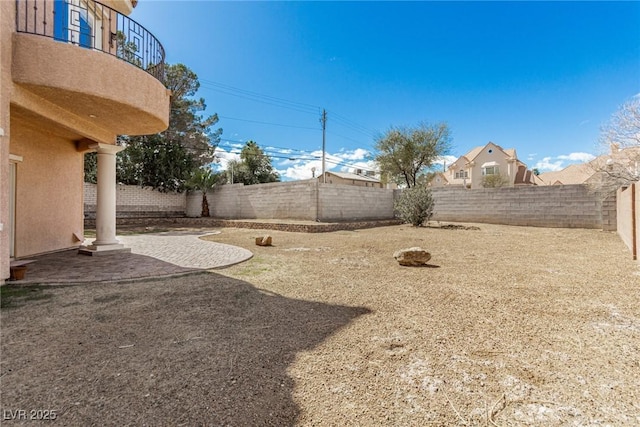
(515, 326)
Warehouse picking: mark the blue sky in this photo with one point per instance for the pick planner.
(540, 77)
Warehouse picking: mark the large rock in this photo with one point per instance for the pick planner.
(412, 257)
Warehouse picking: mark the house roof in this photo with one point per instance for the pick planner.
(572, 174)
(440, 175)
(511, 152)
(347, 175)
(474, 153)
(471, 155)
(580, 173)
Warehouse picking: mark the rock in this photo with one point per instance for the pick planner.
(263, 241)
(412, 257)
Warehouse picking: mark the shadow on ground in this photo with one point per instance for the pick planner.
(194, 350)
(71, 267)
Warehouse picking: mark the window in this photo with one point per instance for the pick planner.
(462, 174)
(490, 170)
(72, 22)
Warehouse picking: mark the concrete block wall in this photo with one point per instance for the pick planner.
(567, 206)
(349, 203)
(280, 200)
(133, 201)
(609, 214)
(571, 206)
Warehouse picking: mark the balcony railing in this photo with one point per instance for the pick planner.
(92, 25)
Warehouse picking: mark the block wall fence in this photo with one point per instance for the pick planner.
(628, 212)
(563, 206)
(133, 201)
(570, 206)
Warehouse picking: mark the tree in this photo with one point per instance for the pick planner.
(91, 168)
(254, 166)
(405, 153)
(203, 179)
(415, 205)
(186, 124)
(621, 138)
(166, 160)
(154, 161)
(623, 128)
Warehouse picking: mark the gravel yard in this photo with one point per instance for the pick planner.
(507, 326)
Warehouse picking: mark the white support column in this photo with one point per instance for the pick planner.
(106, 202)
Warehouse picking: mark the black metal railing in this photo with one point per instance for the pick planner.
(92, 25)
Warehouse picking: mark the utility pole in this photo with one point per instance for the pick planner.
(323, 120)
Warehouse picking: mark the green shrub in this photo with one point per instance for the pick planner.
(415, 205)
(494, 181)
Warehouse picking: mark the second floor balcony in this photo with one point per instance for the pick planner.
(92, 25)
(89, 68)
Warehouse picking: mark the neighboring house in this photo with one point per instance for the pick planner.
(470, 170)
(74, 74)
(572, 174)
(619, 162)
(359, 178)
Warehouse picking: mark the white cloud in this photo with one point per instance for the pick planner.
(577, 157)
(442, 159)
(223, 156)
(557, 163)
(344, 161)
(357, 154)
(301, 170)
(546, 164)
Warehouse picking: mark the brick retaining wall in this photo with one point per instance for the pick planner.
(257, 225)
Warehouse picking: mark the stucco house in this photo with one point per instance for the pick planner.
(74, 74)
(491, 159)
(359, 178)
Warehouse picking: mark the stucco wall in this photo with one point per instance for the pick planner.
(625, 219)
(48, 190)
(123, 100)
(570, 206)
(6, 24)
(132, 201)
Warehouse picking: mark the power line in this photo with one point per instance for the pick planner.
(263, 146)
(267, 123)
(285, 103)
(303, 156)
(258, 97)
(344, 121)
(349, 139)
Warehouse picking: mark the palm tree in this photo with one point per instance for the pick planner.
(204, 179)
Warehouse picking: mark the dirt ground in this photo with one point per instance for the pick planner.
(507, 326)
